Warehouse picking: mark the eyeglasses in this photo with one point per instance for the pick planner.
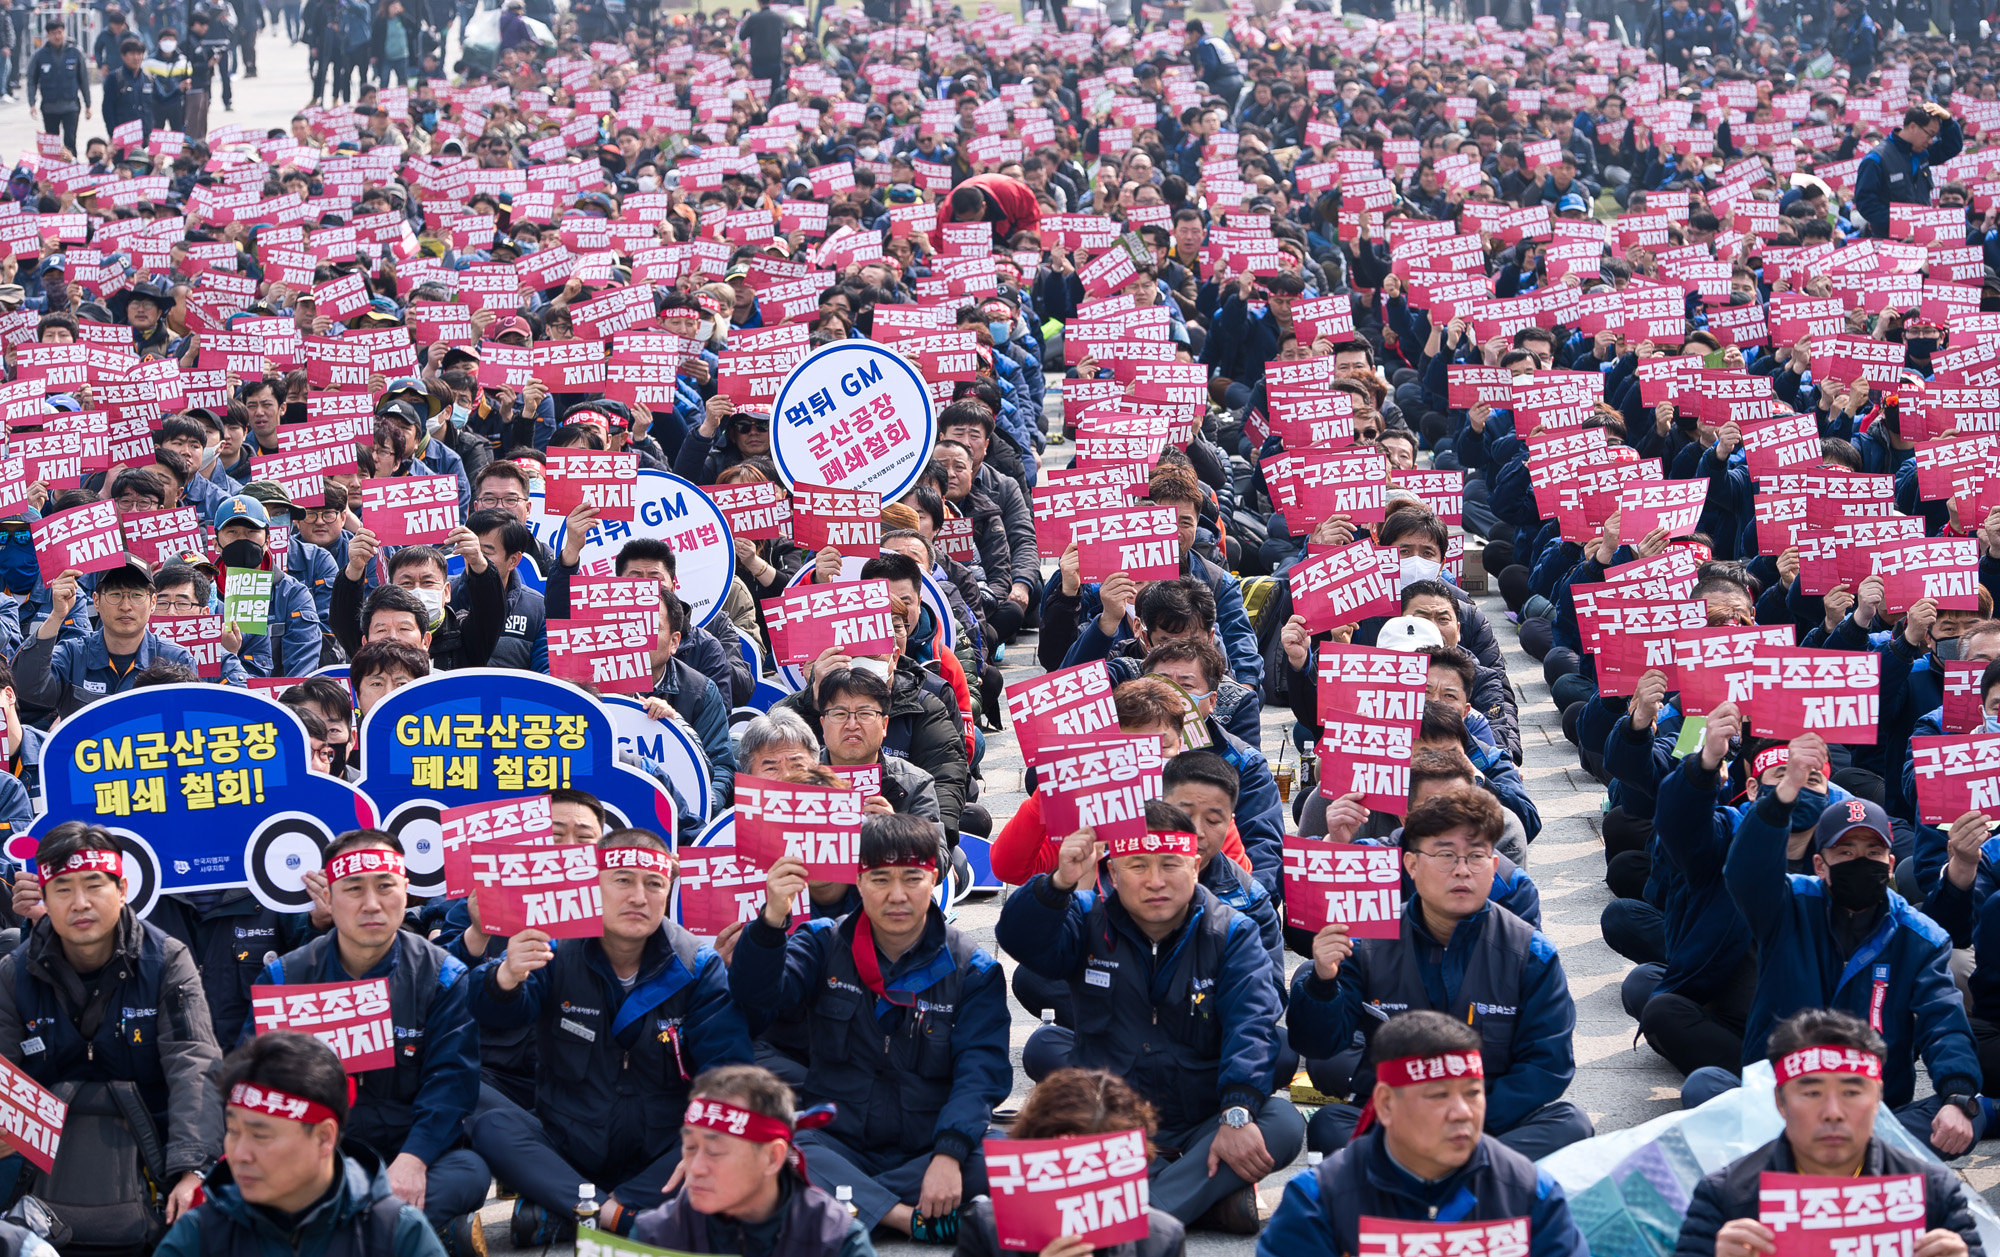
(1447, 861)
(132, 502)
(488, 499)
(324, 516)
(126, 596)
(845, 716)
(181, 606)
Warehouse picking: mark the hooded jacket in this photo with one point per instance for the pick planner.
(149, 1025)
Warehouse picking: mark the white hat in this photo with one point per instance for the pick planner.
(1408, 634)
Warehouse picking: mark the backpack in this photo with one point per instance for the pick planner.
(109, 1180)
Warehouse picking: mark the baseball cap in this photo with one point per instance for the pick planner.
(244, 508)
(1572, 203)
(513, 325)
(272, 495)
(131, 574)
(1844, 817)
(1408, 634)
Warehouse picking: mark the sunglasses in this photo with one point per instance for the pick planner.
(742, 426)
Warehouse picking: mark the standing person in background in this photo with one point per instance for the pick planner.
(393, 42)
(764, 32)
(168, 71)
(128, 91)
(249, 21)
(105, 49)
(60, 75)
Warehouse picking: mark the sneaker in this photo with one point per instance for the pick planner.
(1234, 1214)
(465, 1237)
(532, 1227)
(934, 1230)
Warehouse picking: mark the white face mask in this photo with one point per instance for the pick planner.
(1415, 569)
(649, 183)
(433, 600)
(167, 47)
(879, 667)
(706, 330)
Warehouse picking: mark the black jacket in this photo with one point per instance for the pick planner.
(1731, 1192)
(61, 76)
(466, 637)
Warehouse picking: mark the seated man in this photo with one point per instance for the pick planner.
(1175, 992)
(61, 673)
(413, 1113)
(621, 1024)
(745, 1189)
(290, 646)
(854, 708)
(1840, 938)
(1424, 1158)
(1829, 1067)
(697, 698)
(1205, 786)
(282, 1158)
(1503, 978)
(459, 627)
(912, 1115)
(1167, 610)
(162, 1043)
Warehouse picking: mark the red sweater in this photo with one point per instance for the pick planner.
(1025, 848)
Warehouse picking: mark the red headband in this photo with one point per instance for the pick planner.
(109, 862)
(903, 862)
(370, 860)
(1155, 842)
(609, 858)
(1412, 1071)
(1769, 757)
(258, 1099)
(730, 1119)
(1827, 1060)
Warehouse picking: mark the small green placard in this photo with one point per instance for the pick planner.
(1693, 730)
(246, 601)
(591, 1243)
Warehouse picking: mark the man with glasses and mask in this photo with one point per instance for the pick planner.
(1494, 972)
(330, 698)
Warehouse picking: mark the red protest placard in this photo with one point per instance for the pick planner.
(523, 818)
(614, 655)
(1366, 756)
(352, 1018)
(1389, 1237)
(524, 884)
(1094, 1186)
(820, 826)
(1943, 569)
(1705, 659)
(1374, 683)
(1634, 635)
(1674, 505)
(1353, 882)
(1963, 712)
(1956, 774)
(84, 538)
(1354, 485)
(1442, 492)
(849, 520)
(609, 481)
(716, 887)
(757, 512)
(1343, 586)
(1143, 541)
(1071, 703)
(853, 615)
(1101, 782)
(31, 1118)
(410, 510)
(1812, 1215)
(159, 536)
(593, 598)
(1834, 693)
(200, 634)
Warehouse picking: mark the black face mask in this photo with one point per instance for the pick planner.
(242, 553)
(1858, 884)
(338, 765)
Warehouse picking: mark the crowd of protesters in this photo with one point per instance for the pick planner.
(1672, 330)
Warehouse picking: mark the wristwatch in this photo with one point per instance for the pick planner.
(1966, 1104)
(1236, 1117)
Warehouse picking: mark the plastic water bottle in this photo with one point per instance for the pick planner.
(845, 1195)
(1313, 1159)
(586, 1206)
(1048, 1016)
